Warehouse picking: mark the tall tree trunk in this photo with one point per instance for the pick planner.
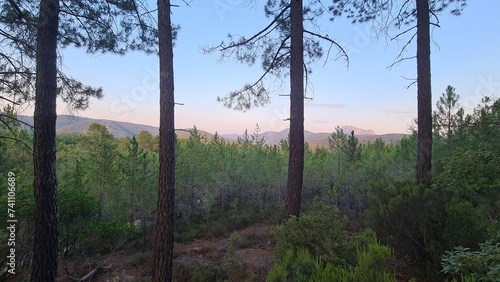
(424, 96)
(46, 247)
(296, 153)
(164, 233)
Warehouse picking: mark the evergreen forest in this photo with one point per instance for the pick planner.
(94, 207)
(364, 216)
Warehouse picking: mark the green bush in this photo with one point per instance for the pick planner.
(372, 265)
(372, 261)
(482, 265)
(422, 222)
(296, 265)
(197, 272)
(464, 223)
(205, 273)
(319, 230)
(240, 241)
(238, 270)
(112, 234)
(78, 211)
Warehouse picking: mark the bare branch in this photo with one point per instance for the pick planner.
(332, 42)
(398, 16)
(436, 17)
(401, 33)
(8, 100)
(414, 81)
(399, 61)
(435, 24)
(259, 34)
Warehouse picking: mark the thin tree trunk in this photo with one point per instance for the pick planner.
(46, 244)
(424, 96)
(296, 154)
(164, 233)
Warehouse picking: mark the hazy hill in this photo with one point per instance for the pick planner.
(80, 125)
(119, 129)
(321, 138)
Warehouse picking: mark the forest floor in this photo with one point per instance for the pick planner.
(243, 255)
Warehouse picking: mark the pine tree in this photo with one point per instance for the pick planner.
(336, 142)
(449, 115)
(46, 242)
(33, 31)
(257, 138)
(102, 151)
(399, 14)
(281, 47)
(164, 232)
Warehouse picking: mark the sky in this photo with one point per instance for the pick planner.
(366, 93)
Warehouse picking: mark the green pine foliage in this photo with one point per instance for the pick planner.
(300, 265)
(107, 190)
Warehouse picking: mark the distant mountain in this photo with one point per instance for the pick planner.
(273, 137)
(119, 129)
(357, 131)
(321, 139)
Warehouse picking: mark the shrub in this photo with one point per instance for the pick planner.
(205, 273)
(373, 262)
(238, 270)
(111, 234)
(296, 265)
(482, 265)
(300, 265)
(240, 241)
(422, 222)
(78, 211)
(319, 230)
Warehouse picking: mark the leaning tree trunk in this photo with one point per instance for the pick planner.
(164, 232)
(424, 96)
(46, 247)
(296, 153)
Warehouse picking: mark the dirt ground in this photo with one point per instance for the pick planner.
(244, 255)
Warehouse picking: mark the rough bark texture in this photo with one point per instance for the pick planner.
(296, 157)
(424, 96)
(164, 233)
(46, 247)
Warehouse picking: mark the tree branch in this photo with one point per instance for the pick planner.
(332, 42)
(399, 61)
(401, 33)
(17, 140)
(8, 100)
(16, 119)
(277, 56)
(257, 35)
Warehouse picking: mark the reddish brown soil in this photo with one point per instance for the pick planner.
(244, 262)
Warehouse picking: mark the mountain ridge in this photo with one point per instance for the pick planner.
(119, 129)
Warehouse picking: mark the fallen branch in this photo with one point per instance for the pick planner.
(94, 271)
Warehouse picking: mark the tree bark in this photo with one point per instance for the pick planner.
(424, 95)
(46, 247)
(164, 233)
(296, 153)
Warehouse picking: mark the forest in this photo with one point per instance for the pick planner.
(93, 207)
(356, 197)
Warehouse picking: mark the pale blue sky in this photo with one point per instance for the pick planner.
(366, 94)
